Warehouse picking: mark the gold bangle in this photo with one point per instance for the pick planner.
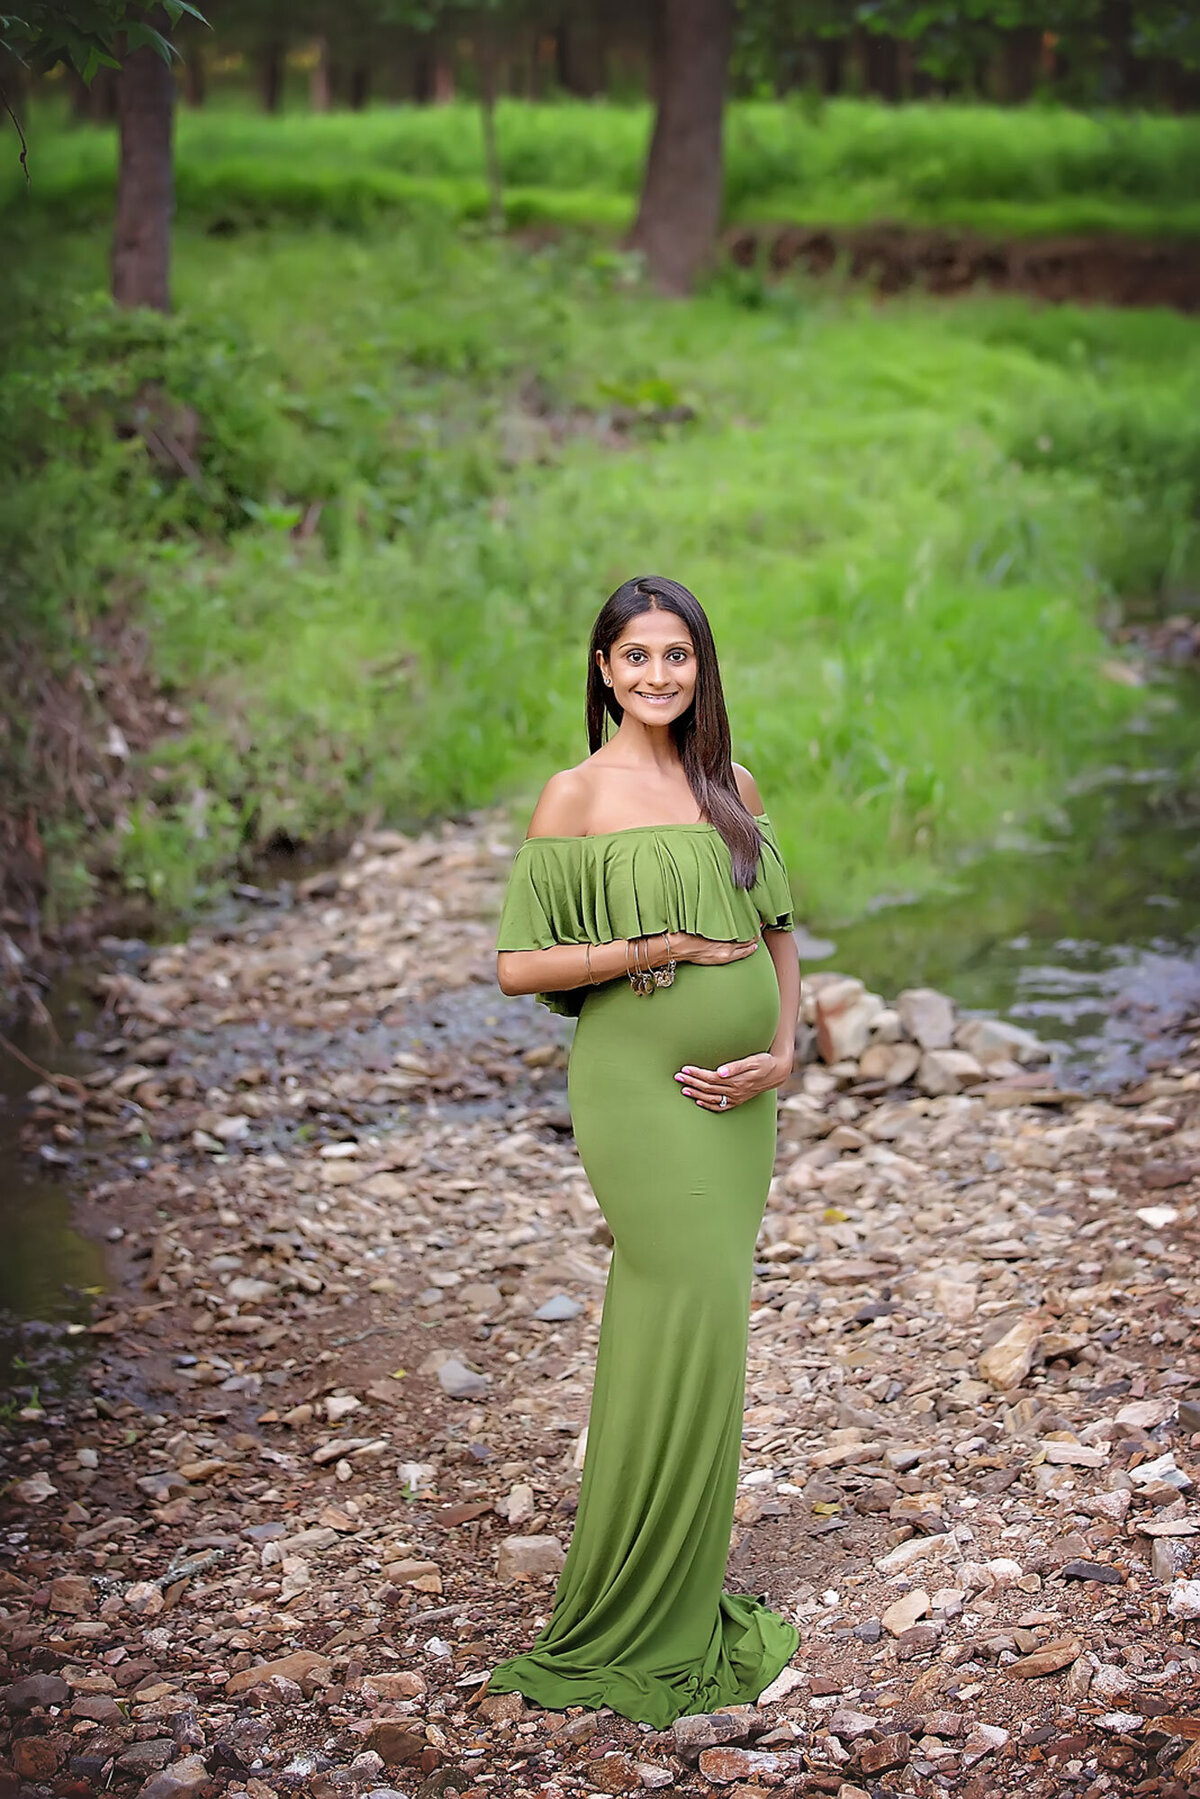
(587, 962)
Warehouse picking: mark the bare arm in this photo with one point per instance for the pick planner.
(783, 950)
(786, 957)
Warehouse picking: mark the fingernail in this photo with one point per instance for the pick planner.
(722, 1072)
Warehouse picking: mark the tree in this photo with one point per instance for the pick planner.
(141, 258)
(680, 207)
(132, 38)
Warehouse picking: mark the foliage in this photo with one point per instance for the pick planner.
(88, 34)
(417, 500)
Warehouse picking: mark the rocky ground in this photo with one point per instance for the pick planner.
(328, 1466)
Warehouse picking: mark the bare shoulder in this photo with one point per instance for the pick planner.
(562, 808)
(748, 790)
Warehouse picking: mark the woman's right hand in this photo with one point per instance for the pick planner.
(708, 950)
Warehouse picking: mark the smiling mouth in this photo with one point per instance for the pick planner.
(657, 699)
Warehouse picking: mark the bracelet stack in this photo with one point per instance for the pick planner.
(643, 977)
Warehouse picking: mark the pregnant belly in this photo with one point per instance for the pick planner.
(710, 1014)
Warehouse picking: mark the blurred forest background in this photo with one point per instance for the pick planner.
(352, 355)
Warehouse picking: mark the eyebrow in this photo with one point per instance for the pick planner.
(631, 643)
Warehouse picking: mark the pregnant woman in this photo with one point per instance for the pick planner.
(650, 902)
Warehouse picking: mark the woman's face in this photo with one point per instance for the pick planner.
(652, 665)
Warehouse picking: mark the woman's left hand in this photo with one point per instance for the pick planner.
(736, 1081)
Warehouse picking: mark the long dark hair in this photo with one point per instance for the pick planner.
(701, 735)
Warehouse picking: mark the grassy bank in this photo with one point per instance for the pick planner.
(421, 463)
(1027, 172)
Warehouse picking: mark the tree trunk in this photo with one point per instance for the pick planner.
(831, 61)
(1119, 74)
(145, 181)
(360, 86)
(881, 66)
(485, 49)
(443, 78)
(680, 207)
(423, 72)
(1020, 51)
(322, 80)
(269, 66)
(580, 53)
(194, 74)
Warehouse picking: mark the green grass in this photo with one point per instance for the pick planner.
(905, 523)
(1032, 171)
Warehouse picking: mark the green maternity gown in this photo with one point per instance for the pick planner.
(640, 1621)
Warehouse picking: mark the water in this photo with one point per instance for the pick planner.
(1090, 936)
(50, 1272)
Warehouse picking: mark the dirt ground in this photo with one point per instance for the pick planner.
(321, 1468)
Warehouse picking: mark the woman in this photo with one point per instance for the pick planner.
(635, 904)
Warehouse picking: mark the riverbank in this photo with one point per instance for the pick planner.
(328, 1465)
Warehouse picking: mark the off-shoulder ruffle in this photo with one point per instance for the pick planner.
(627, 883)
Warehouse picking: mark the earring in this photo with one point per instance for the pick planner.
(607, 682)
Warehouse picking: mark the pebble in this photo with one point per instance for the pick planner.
(524, 1558)
(558, 1308)
(904, 1612)
(1008, 1361)
(1184, 1601)
(461, 1382)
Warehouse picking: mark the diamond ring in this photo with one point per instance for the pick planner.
(724, 1101)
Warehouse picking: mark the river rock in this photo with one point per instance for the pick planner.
(1010, 1358)
(395, 1742)
(927, 1017)
(614, 1773)
(880, 1758)
(35, 1689)
(947, 1071)
(1185, 1599)
(1050, 1658)
(845, 1014)
(956, 1299)
(995, 1040)
(459, 1381)
(558, 1309)
(892, 1063)
(984, 1739)
(722, 1765)
(524, 1558)
(904, 1612)
(71, 1593)
(705, 1730)
(186, 1779)
(304, 1666)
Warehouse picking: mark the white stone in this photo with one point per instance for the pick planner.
(947, 1071)
(914, 1550)
(992, 1040)
(522, 1558)
(1185, 1599)
(783, 1684)
(927, 1016)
